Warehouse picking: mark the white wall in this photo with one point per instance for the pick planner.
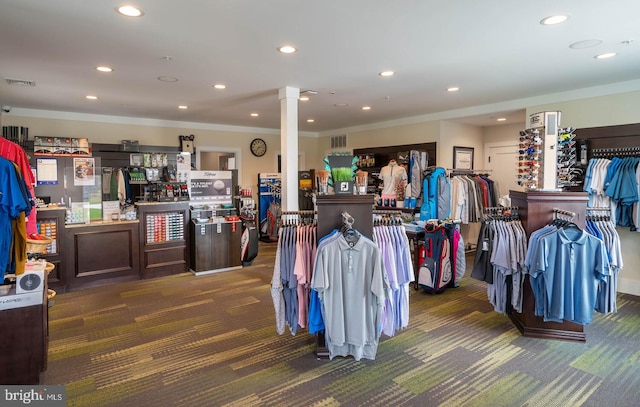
(622, 108)
(460, 135)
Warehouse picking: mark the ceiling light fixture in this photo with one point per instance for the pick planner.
(502, 119)
(555, 19)
(304, 98)
(91, 97)
(386, 74)
(167, 79)
(220, 86)
(183, 107)
(129, 11)
(606, 55)
(453, 89)
(287, 49)
(585, 44)
(341, 104)
(104, 69)
(310, 121)
(366, 107)
(255, 114)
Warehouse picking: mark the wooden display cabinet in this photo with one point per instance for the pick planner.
(164, 238)
(51, 223)
(536, 210)
(215, 246)
(24, 340)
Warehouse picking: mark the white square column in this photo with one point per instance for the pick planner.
(289, 146)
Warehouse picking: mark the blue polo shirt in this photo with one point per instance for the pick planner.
(12, 202)
(571, 263)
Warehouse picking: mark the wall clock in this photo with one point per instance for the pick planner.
(258, 147)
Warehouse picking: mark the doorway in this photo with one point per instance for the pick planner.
(502, 160)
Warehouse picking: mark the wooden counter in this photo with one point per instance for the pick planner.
(101, 253)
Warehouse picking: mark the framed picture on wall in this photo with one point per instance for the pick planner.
(462, 158)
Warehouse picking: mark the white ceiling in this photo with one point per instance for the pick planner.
(495, 51)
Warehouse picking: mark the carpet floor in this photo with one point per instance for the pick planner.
(210, 340)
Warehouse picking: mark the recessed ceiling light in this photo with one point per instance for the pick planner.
(453, 89)
(341, 104)
(304, 98)
(502, 119)
(220, 86)
(287, 49)
(255, 114)
(366, 107)
(130, 11)
(556, 19)
(183, 107)
(167, 58)
(310, 121)
(386, 74)
(605, 56)
(91, 97)
(104, 69)
(167, 79)
(585, 44)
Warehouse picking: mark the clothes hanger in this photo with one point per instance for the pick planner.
(350, 234)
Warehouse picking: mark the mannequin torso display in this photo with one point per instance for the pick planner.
(390, 174)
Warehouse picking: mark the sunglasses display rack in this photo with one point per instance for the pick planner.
(530, 159)
(548, 162)
(547, 154)
(569, 173)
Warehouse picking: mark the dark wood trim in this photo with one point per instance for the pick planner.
(626, 135)
(623, 130)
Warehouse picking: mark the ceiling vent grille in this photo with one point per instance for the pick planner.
(339, 141)
(19, 82)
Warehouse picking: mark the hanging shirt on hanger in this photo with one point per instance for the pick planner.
(352, 321)
(571, 263)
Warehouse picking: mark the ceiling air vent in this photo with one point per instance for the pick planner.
(19, 82)
(339, 141)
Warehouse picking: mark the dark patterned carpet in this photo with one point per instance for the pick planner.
(210, 340)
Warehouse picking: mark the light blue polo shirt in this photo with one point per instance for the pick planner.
(571, 262)
(351, 282)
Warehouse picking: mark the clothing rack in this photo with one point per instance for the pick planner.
(453, 171)
(383, 217)
(598, 213)
(615, 152)
(304, 217)
(562, 212)
(603, 208)
(501, 212)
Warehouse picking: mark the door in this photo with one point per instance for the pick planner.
(502, 160)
